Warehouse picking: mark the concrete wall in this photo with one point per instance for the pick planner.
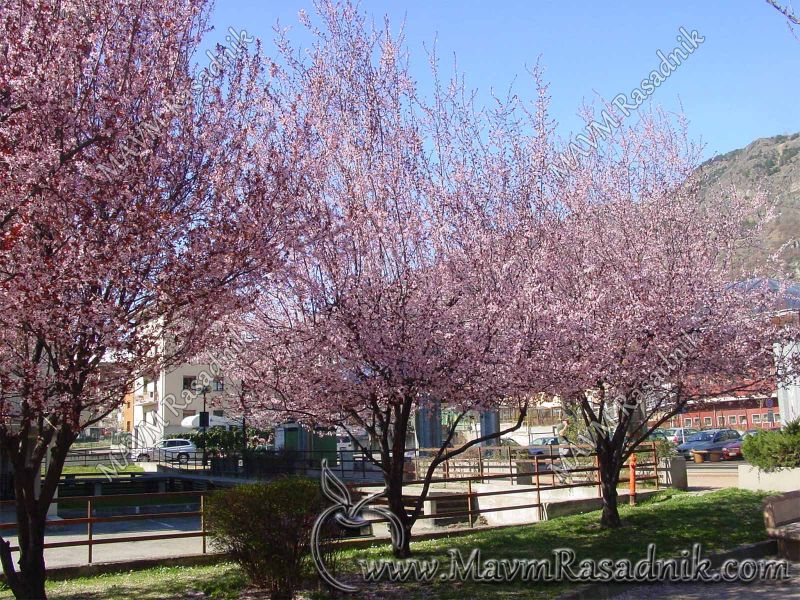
(557, 503)
(672, 472)
(753, 478)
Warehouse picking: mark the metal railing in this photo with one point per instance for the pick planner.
(90, 520)
(547, 472)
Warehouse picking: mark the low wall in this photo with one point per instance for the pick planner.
(753, 478)
(672, 472)
(557, 503)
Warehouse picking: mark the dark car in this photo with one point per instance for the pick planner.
(710, 439)
(657, 435)
(732, 450)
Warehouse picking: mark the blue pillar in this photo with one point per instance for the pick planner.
(490, 423)
(428, 423)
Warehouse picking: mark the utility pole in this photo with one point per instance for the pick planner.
(204, 425)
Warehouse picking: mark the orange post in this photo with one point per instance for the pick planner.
(632, 480)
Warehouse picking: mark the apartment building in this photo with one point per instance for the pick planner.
(165, 402)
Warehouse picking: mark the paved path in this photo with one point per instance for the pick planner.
(122, 551)
(760, 590)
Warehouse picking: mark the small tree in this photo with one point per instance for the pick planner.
(130, 218)
(405, 292)
(645, 273)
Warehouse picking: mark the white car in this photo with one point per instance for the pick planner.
(180, 450)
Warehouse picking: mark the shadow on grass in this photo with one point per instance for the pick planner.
(218, 582)
(674, 521)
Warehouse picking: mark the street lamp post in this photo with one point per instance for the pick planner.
(204, 422)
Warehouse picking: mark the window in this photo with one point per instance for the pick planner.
(743, 419)
(721, 421)
(687, 422)
(218, 385)
(188, 382)
(707, 421)
(732, 420)
(697, 421)
(756, 419)
(768, 417)
(189, 413)
(218, 413)
(777, 417)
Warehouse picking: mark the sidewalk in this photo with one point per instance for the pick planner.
(122, 551)
(763, 590)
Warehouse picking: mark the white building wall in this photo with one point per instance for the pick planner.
(161, 404)
(789, 392)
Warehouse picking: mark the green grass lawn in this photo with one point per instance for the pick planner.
(674, 521)
(221, 582)
(95, 470)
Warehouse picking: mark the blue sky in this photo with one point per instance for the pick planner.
(742, 82)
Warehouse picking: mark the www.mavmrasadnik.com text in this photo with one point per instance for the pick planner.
(563, 565)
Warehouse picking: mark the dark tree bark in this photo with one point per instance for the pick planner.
(390, 429)
(609, 477)
(26, 451)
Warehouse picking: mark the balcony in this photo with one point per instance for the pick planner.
(145, 398)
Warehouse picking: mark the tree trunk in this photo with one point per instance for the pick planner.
(28, 581)
(394, 494)
(32, 499)
(31, 562)
(609, 473)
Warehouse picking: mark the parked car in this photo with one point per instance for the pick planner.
(710, 439)
(732, 450)
(657, 435)
(679, 435)
(176, 449)
(546, 445)
(344, 442)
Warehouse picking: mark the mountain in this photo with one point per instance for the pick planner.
(772, 165)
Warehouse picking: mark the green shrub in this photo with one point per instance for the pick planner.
(774, 449)
(266, 528)
(221, 441)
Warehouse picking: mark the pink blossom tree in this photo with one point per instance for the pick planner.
(140, 198)
(405, 291)
(646, 275)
